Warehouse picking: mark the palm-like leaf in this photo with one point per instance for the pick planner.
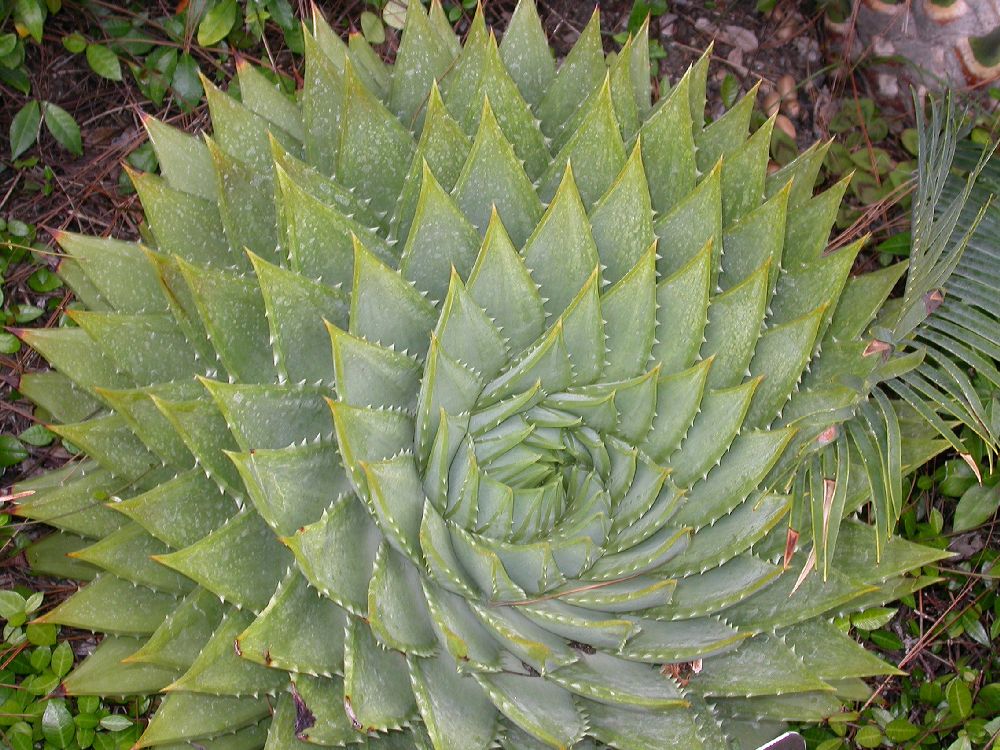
(583, 348)
(952, 304)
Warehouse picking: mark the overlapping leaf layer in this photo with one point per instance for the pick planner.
(580, 346)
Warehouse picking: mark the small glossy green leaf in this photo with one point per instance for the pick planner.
(104, 61)
(63, 127)
(12, 450)
(57, 724)
(62, 659)
(116, 723)
(24, 128)
(217, 22)
(976, 506)
(959, 698)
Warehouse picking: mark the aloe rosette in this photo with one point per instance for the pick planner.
(584, 349)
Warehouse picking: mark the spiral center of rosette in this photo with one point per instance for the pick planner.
(543, 496)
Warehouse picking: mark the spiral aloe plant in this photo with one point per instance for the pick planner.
(584, 349)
